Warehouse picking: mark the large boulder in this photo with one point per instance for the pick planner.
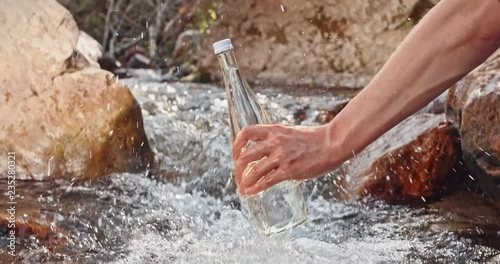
(330, 42)
(60, 120)
(410, 161)
(474, 107)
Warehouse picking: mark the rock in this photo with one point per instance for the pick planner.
(327, 114)
(412, 160)
(130, 52)
(470, 215)
(327, 43)
(138, 61)
(183, 70)
(34, 217)
(61, 121)
(89, 49)
(420, 9)
(474, 108)
(436, 106)
(186, 45)
(108, 63)
(301, 114)
(45, 234)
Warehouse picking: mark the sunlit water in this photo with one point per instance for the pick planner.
(189, 212)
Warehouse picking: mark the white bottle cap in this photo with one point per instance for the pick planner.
(222, 45)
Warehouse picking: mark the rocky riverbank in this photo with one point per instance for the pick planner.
(86, 144)
(60, 115)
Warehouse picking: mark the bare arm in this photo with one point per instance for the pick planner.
(454, 38)
(450, 41)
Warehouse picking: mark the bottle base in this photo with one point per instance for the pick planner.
(277, 209)
(273, 231)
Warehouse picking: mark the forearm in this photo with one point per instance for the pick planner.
(454, 38)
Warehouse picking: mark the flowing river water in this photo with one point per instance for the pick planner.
(188, 212)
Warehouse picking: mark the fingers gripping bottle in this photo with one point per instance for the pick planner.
(282, 206)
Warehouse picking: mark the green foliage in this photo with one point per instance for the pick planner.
(130, 26)
(205, 16)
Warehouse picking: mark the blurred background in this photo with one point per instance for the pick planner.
(328, 43)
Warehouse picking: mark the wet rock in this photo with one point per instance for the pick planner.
(61, 121)
(327, 114)
(108, 63)
(328, 43)
(300, 114)
(412, 160)
(474, 108)
(45, 234)
(183, 70)
(470, 215)
(436, 106)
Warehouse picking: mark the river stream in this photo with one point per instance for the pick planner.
(187, 212)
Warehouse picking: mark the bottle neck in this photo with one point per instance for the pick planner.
(244, 108)
(227, 60)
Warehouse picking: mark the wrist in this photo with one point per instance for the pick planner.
(337, 150)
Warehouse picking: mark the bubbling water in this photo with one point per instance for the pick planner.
(189, 213)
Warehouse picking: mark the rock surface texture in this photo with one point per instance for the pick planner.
(412, 160)
(474, 107)
(60, 120)
(329, 43)
(89, 49)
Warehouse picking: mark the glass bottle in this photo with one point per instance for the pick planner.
(282, 206)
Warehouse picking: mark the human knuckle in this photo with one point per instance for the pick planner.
(280, 153)
(243, 156)
(280, 138)
(269, 179)
(273, 143)
(257, 168)
(244, 132)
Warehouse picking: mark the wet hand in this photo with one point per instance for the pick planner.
(283, 153)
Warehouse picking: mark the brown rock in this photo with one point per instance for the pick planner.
(474, 108)
(411, 160)
(45, 235)
(470, 215)
(326, 115)
(30, 216)
(328, 43)
(301, 114)
(108, 63)
(61, 121)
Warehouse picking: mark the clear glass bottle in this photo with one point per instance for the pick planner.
(282, 206)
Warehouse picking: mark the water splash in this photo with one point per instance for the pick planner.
(190, 214)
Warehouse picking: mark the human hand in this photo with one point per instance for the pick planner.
(283, 153)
